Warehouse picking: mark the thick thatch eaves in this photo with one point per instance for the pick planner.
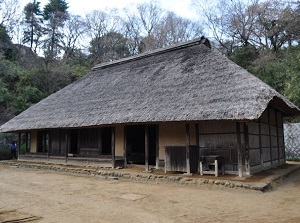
(188, 82)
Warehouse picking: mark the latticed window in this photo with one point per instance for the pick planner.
(292, 139)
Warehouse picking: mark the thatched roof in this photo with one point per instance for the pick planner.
(187, 82)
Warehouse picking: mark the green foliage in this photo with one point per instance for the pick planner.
(33, 24)
(55, 8)
(111, 46)
(4, 37)
(294, 159)
(244, 55)
(55, 13)
(78, 71)
(281, 71)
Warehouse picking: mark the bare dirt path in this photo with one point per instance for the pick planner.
(59, 197)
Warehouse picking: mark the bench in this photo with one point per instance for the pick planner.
(212, 164)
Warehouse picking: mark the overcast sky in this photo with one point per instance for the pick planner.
(81, 7)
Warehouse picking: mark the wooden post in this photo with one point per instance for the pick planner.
(44, 141)
(19, 145)
(247, 158)
(270, 136)
(113, 156)
(66, 146)
(277, 137)
(60, 141)
(26, 142)
(100, 141)
(50, 146)
(283, 149)
(216, 168)
(125, 147)
(260, 145)
(197, 134)
(157, 147)
(197, 143)
(146, 148)
(239, 149)
(187, 147)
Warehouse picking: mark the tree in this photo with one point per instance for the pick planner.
(33, 25)
(74, 29)
(261, 24)
(109, 47)
(140, 24)
(175, 29)
(55, 13)
(4, 37)
(9, 15)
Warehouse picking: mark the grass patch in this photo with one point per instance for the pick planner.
(294, 159)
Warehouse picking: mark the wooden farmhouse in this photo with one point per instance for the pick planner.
(170, 108)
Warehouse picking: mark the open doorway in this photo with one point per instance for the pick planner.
(106, 140)
(74, 141)
(135, 144)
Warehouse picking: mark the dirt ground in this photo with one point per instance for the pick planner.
(44, 196)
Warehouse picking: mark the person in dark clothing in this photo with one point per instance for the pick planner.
(13, 150)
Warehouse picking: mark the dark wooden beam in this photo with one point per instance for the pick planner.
(187, 148)
(247, 155)
(60, 140)
(270, 136)
(157, 147)
(66, 145)
(113, 150)
(146, 147)
(26, 142)
(125, 146)
(197, 142)
(277, 136)
(44, 141)
(260, 145)
(50, 146)
(99, 142)
(197, 134)
(19, 144)
(239, 149)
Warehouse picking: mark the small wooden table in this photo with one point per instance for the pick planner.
(212, 161)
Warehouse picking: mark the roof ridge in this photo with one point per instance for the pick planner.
(197, 41)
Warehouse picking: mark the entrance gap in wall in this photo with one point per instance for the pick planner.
(135, 144)
(74, 141)
(106, 140)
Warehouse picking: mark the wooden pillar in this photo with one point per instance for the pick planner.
(283, 149)
(44, 141)
(247, 155)
(26, 142)
(66, 146)
(50, 146)
(187, 148)
(270, 136)
(113, 151)
(260, 145)
(100, 141)
(197, 134)
(277, 137)
(157, 147)
(197, 143)
(125, 146)
(147, 148)
(239, 149)
(19, 145)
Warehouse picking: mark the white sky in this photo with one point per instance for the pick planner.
(81, 7)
